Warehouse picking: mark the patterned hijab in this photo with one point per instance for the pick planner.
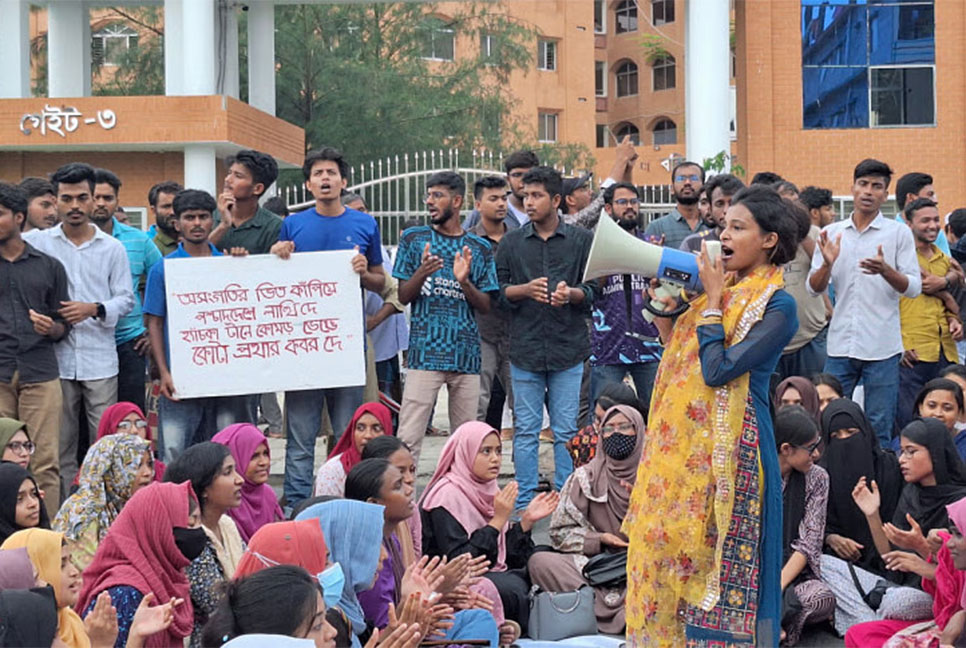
(259, 505)
(107, 481)
(113, 416)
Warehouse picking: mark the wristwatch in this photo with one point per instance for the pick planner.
(101, 311)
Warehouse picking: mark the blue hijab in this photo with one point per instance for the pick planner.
(353, 536)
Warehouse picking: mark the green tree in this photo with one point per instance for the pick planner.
(139, 70)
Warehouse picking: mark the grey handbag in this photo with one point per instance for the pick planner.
(560, 615)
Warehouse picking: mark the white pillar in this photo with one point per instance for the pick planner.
(68, 49)
(261, 56)
(228, 18)
(198, 47)
(199, 167)
(707, 99)
(173, 46)
(15, 50)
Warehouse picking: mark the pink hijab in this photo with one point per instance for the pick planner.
(957, 515)
(455, 487)
(112, 417)
(259, 505)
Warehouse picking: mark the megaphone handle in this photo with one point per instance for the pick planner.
(656, 307)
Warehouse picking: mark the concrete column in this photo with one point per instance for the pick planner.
(198, 47)
(199, 167)
(15, 50)
(707, 56)
(68, 49)
(261, 56)
(227, 24)
(173, 48)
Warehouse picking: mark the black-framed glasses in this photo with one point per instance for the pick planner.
(22, 446)
(811, 447)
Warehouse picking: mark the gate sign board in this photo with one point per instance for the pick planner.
(250, 325)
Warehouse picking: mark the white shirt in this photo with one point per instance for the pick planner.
(865, 322)
(97, 272)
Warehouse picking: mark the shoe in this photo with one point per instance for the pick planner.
(546, 435)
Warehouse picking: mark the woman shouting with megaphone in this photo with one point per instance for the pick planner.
(705, 516)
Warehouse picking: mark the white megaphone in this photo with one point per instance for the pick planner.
(617, 252)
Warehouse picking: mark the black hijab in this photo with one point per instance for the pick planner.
(11, 477)
(927, 504)
(848, 460)
(28, 617)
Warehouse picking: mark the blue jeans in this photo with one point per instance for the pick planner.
(880, 378)
(561, 390)
(193, 420)
(806, 361)
(642, 373)
(304, 411)
(911, 380)
(473, 624)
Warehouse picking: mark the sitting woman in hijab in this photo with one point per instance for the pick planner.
(805, 598)
(379, 482)
(210, 467)
(28, 618)
(15, 444)
(934, 477)
(259, 504)
(371, 420)
(114, 469)
(21, 504)
(934, 559)
(142, 561)
(127, 418)
(587, 521)
(829, 389)
(464, 511)
(583, 446)
(796, 390)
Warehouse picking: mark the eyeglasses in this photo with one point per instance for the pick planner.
(435, 195)
(908, 452)
(627, 201)
(22, 446)
(694, 177)
(126, 425)
(623, 428)
(812, 447)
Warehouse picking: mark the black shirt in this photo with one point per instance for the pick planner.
(32, 281)
(443, 535)
(545, 337)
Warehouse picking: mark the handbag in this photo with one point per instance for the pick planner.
(560, 615)
(606, 570)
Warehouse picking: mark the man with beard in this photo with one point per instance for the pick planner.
(130, 335)
(41, 204)
(614, 353)
(516, 166)
(687, 180)
(163, 233)
(100, 294)
(578, 204)
(447, 275)
(820, 205)
(719, 190)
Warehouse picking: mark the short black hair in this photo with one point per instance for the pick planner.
(785, 185)
(325, 153)
(262, 166)
(953, 369)
(73, 173)
(911, 183)
(815, 197)
(956, 220)
(871, 167)
(350, 196)
(910, 210)
(829, 380)
(794, 426)
(15, 199)
(772, 214)
(383, 447)
(188, 199)
(449, 179)
(612, 189)
(766, 178)
(168, 187)
(35, 187)
(730, 184)
(520, 160)
(801, 216)
(549, 177)
(488, 182)
(939, 384)
(200, 464)
(277, 205)
(674, 170)
(364, 481)
(104, 176)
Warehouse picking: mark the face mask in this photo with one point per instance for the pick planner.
(332, 581)
(619, 446)
(191, 542)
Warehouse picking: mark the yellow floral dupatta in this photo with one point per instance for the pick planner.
(684, 491)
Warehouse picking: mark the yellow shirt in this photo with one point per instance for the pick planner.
(923, 318)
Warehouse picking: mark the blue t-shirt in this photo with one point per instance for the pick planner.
(142, 255)
(312, 232)
(443, 334)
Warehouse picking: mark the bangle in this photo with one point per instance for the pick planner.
(711, 312)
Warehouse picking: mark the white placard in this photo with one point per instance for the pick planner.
(250, 325)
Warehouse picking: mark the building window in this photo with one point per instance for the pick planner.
(665, 132)
(109, 45)
(625, 16)
(488, 48)
(547, 126)
(437, 40)
(868, 65)
(663, 68)
(627, 79)
(603, 136)
(600, 78)
(547, 55)
(662, 12)
(627, 129)
(600, 17)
